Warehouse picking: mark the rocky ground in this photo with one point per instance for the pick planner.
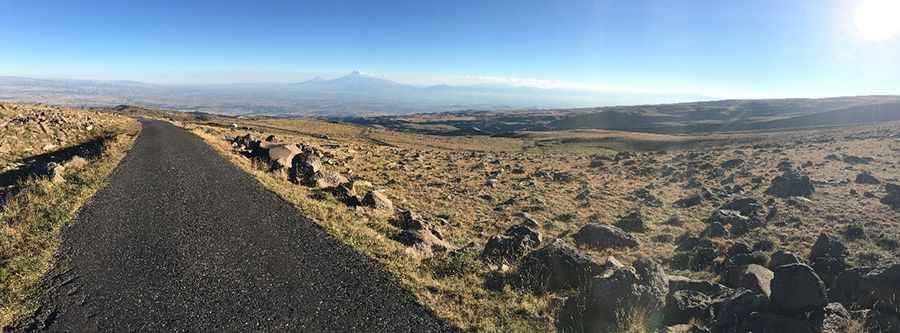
(792, 232)
(33, 135)
(52, 159)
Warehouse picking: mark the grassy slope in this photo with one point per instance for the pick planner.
(448, 182)
(456, 296)
(31, 223)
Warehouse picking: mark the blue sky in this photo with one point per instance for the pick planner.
(718, 48)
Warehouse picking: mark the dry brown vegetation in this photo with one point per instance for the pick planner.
(37, 208)
(446, 179)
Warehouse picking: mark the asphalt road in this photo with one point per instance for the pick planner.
(182, 240)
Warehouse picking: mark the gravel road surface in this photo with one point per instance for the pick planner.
(182, 240)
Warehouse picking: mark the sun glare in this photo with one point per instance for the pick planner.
(878, 20)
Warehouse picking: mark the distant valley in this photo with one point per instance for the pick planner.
(693, 117)
(349, 95)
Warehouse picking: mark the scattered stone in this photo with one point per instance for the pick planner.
(511, 245)
(749, 207)
(644, 195)
(733, 163)
(602, 236)
(866, 178)
(327, 179)
(850, 159)
(674, 220)
(694, 198)
(56, 172)
(633, 222)
(424, 240)
(790, 184)
(715, 230)
(892, 198)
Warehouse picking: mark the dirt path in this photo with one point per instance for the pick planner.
(181, 240)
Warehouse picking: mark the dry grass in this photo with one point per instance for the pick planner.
(444, 177)
(457, 297)
(32, 219)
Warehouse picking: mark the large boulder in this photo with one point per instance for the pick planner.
(791, 183)
(796, 289)
(607, 301)
(378, 200)
(828, 257)
(734, 308)
(601, 236)
(870, 287)
(305, 165)
(684, 306)
(754, 277)
(781, 258)
(281, 155)
(511, 244)
(557, 266)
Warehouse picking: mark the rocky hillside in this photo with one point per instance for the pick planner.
(33, 135)
(52, 159)
(793, 233)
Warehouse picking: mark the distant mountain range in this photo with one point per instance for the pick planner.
(693, 117)
(354, 94)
